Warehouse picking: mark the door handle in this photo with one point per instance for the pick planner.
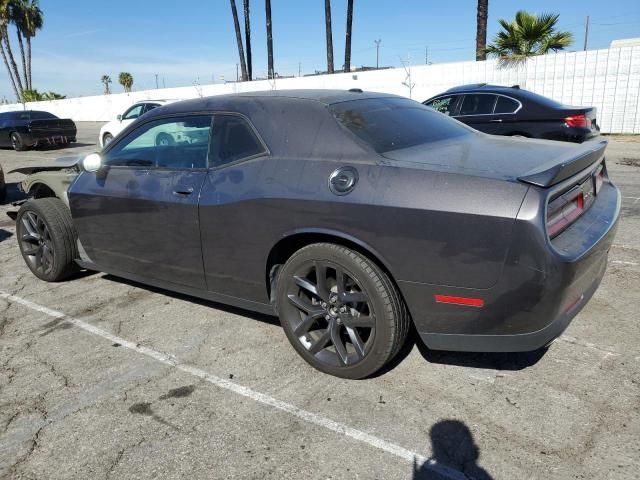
(499, 120)
(183, 191)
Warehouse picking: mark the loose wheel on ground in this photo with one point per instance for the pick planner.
(340, 311)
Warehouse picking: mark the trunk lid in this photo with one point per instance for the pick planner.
(538, 162)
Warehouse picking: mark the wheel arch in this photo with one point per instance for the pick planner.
(40, 189)
(293, 241)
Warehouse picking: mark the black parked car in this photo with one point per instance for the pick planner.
(514, 111)
(348, 214)
(30, 128)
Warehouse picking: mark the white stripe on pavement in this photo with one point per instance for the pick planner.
(256, 396)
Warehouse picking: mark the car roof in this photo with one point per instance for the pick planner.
(483, 87)
(268, 97)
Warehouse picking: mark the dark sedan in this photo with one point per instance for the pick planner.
(514, 111)
(350, 215)
(26, 129)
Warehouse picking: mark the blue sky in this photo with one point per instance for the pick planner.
(186, 42)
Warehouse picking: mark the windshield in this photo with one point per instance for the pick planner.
(394, 123)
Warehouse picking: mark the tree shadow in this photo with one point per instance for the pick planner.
(454, 454)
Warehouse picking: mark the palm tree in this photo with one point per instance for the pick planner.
(126, 80)
(106, 80)
(236, 24)
(7, 17)
(247, 38)
(18, 16)
(347, 43)
(32, 22)
(526, 36)
(481, 30)
(267, 6)
(327, 21)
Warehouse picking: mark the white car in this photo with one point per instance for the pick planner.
(114, 127)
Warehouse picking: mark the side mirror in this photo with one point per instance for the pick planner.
(92, 162)
(119, 117)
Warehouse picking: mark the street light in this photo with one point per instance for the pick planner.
(377, 42)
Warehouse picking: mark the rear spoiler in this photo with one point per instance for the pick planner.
(547, 175)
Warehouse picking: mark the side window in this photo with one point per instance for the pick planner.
(506, 105)
(233, 139)
(478, 104)
(175, 143)
(133, 112)
(444, 105)
(150, 106)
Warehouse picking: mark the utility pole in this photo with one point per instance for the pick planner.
(237, 78)
(164, 85)
(426, 55)
(377, 42)
(299, 69)
(157, 86)
(586, 32)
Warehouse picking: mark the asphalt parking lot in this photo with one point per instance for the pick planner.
(103, 378)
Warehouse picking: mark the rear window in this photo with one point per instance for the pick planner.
(33, 115)
(394, 123)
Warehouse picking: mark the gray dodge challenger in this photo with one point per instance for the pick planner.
(352, 216)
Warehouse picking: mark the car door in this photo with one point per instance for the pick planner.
(505, 116)
(139, 213)
(476, 110)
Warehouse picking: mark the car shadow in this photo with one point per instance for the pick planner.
(483, 360)
(269, 319)
(454, 454)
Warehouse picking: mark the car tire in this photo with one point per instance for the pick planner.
(47, 238)
(349, 328)
(3, 192)
(17, 143)
(164, 139)
(106, 139)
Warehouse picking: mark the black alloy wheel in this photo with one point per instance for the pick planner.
(47, 238)
(37, 245)
(16, 142)
(340, 311)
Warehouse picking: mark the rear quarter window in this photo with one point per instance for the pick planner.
(393, 123)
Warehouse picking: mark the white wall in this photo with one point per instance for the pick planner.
(606, 79)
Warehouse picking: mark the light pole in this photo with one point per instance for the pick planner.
(377, 42)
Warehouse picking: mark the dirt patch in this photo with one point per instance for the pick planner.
(631, 162)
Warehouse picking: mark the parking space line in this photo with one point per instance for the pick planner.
(247, 392)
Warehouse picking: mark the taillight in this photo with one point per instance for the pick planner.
(564, 210)
(576, 121)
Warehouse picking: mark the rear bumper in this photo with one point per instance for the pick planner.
(542, 288)
(49, 138)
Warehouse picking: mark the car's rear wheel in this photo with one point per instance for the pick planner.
(340, 311)
(17, 143)
(164, 139)
(47, 238)
(106, 139)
